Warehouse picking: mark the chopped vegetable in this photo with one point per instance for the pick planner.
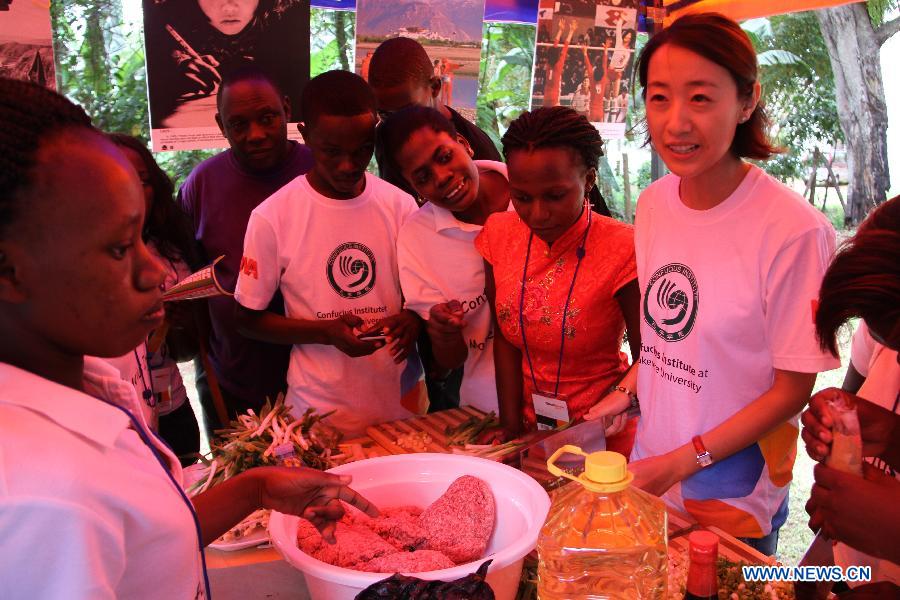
(267, 439)
(468, 431)
(462, 438)
(415, 442)
(256, 521)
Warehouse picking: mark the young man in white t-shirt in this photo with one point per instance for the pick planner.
(327, 240)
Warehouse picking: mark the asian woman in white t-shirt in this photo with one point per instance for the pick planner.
(729, 262)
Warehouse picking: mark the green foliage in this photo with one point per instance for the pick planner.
(507, 58)
(100, 63)
(878, 9)
(331, 35)
(642, 181)
(179, 165)
(798, 88)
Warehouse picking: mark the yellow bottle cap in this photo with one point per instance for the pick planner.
(604, 471)
(605, 467)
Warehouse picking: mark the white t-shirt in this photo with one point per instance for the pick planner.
(439, 263)
(331, 257)
(86, 510)
(726, 298)
(862, 346)
(881, 387)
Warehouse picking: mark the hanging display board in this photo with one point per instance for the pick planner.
(334, 4)
(511, 11)
(191, 44)
(449, 30)
(740, 10)
(585, 59)
(26, 42)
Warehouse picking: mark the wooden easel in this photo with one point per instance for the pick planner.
(830, 181)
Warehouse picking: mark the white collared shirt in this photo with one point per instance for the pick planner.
(439, 263)
(86, 510)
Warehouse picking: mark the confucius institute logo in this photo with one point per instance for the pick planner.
(670, 302)
(351, 270)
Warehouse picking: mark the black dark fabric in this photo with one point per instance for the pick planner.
(235, 405)
(181, 432)
(482, 147)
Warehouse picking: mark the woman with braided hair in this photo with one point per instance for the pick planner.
(561, 278)
(89, 498)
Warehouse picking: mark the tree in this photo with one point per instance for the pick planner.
(100, 64)
(854, 38)
(798, 88)
(330, 43)
(505, 79)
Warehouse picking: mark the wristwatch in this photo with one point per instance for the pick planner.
(631, 395)
(704, 459)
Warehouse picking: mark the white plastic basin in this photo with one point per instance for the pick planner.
(419, 479)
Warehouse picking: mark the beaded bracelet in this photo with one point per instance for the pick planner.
(634, 399)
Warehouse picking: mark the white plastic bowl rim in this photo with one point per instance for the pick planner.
(351, 577)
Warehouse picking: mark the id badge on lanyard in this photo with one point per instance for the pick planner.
(162, 387)
(551, 410)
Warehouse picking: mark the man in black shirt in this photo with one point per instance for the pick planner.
(401, 74)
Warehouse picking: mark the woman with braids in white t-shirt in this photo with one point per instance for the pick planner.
(729, 264)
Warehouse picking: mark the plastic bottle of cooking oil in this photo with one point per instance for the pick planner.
(603, 538)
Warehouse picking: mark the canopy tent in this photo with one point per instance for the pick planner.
(740, 10)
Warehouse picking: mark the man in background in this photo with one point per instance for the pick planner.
(219, 195)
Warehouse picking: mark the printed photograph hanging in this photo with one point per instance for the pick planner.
(192, 44)
(449, 30)
(511, 11)
(585, 59)
(26, 42)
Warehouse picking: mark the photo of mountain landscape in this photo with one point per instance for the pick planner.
(449, 30)
(449, 21)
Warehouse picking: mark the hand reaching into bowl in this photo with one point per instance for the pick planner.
(314, 495)
(311, 494)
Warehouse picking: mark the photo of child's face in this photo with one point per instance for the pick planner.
(229, 16)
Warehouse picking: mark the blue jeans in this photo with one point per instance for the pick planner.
(767, 545)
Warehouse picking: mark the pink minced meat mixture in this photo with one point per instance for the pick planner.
(399, 526)
(460, 522)
(455, 529)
